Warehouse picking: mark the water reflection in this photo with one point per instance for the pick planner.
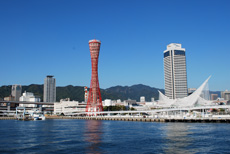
(93, 133)
(178, 138)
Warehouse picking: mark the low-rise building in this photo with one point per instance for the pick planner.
(152, 99)
(225, 94)
(29, 97)
(214, 96)
(142, 99)
(130, 102)
(9, 98)
(65, 106)
(107, 102)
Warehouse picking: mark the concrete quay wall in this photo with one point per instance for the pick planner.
(8, 118)
(140, 119)
(109, 118)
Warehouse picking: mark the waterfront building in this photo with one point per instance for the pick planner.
(225, 94)
(130, 102)
(65, 106)
(9, 98)
(29, 97)
(142, 106)
(214, 96)
(198, 97)
(175, 73)
(16, 92)
(142, 99)
(151, 104)
(49, 89)
(107, 102)
(152, 99)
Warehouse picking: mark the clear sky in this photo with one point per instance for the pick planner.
(50, 37)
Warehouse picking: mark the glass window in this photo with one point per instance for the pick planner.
(179, 52)
(166, 54)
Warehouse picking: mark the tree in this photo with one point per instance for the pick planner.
(114, 108)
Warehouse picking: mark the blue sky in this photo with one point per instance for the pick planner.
(50, 37)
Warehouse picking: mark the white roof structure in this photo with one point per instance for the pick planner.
(94, 40)
(194, 99)
(174, 46)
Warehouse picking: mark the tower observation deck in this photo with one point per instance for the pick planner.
(94, 103)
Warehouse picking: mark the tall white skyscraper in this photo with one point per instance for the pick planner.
(175, 73)
(16, 92)
(49, 89)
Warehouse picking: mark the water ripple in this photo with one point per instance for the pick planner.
(102, 137)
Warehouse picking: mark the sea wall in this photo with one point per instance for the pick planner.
(140, 119)
(147, 119)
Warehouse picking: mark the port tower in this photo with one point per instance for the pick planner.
(94, 102)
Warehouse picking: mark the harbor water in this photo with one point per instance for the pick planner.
(103, 137)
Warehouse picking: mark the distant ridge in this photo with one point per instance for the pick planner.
(134, 92)
(77, 92)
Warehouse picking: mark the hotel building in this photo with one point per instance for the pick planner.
(175, 73)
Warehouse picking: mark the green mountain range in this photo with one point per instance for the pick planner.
(77, 92)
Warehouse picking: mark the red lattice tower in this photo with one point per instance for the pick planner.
(94, 103)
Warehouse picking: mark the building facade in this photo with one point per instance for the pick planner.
(65, 106)
(49, 89)
(225, 94)
(9, 98)
(16, 92)
(29, 97)
(142, 99)
(107, 102)
(175, 73)
(214, 96)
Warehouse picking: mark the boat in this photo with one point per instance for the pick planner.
(38, 116)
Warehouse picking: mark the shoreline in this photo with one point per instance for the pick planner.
(139, 119)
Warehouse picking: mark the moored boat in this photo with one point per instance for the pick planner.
(38, 116)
